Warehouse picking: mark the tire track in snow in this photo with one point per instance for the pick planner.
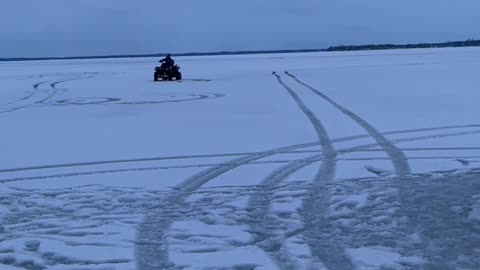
(286, 149)
(192, 97)
(63, 175)
(55, 89)
(317, 244)
(313, 207)
(50, 93)
(400, 162)
(259, 219)
(118, 101)
(260, 202)
(314, 210)
(151, 245)
(53, 92)
(409, 149)
(344, 139)
(89, 101)
(461, 159)
(137, 169)
(29, 95)
(92, 163)
(37, 85)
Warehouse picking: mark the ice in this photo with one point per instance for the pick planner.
(101, 168)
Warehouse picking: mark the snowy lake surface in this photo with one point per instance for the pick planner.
(352, 160)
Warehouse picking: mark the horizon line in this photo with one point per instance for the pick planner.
(385, 46)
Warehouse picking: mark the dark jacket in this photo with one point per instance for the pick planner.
(168, 61)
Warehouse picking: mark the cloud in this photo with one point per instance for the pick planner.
(99, 27)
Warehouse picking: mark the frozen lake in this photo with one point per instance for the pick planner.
(353, 160)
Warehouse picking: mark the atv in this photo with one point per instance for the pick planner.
(167, 73)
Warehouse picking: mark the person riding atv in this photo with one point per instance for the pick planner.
(167, 61)
(168, 70)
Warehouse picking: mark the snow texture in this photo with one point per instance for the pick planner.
(354, 160)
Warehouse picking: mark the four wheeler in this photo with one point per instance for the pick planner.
(167, 73)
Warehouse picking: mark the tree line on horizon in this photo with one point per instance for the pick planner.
(466, 43)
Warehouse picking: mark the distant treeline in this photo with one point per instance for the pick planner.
(467, 43)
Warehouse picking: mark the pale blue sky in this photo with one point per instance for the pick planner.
(32, 28)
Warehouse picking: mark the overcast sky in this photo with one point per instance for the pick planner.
(32, 28)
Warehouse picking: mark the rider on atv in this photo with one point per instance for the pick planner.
(167, 61)
(168, 70)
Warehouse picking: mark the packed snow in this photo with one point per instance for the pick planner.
(353, 160)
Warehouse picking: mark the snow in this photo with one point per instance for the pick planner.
(475, 213)
(378, 257)
(102, 168)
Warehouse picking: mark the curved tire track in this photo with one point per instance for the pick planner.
(260, 202)
(400, 162)
(55, 89)
(314, 207)
(117, 101)
(151, 245)
(230, 163)
(258, 209)
(30, 94)
(344, 139)
(49, 94)
(260, 155)
(192, 97)
(152, 249)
